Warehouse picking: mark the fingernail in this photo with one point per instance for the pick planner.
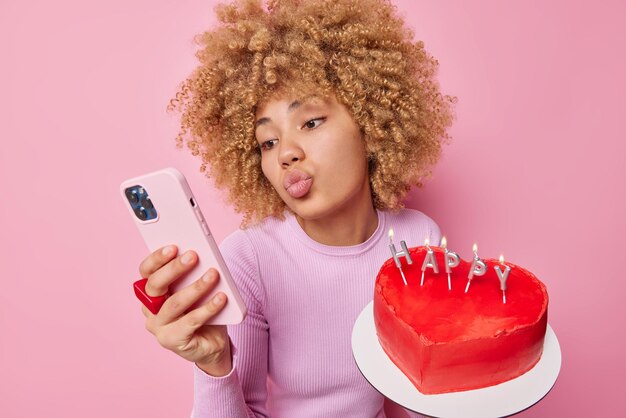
(187, 258)
(206, 277)
(167, 251)
(218, 299)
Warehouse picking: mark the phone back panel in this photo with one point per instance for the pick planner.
(178, 222)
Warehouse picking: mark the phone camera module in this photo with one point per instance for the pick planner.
(140, 203)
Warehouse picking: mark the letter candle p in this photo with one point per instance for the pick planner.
(478, 267)
(452, 259)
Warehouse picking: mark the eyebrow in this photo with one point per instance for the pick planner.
(293, 106)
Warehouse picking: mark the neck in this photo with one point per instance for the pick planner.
(351, 225)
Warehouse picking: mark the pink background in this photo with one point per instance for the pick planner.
(535, 171)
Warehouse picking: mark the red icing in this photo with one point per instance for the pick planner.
(448, 340)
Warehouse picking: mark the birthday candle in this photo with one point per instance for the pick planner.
(452, 259)
(430, 261)
(478, 267)
(503, 276)
(397, 254)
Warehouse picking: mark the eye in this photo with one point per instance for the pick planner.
(267, 145)
(314, 123)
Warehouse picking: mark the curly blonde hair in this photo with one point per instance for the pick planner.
(357, 50)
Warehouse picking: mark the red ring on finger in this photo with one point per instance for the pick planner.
(153, 303)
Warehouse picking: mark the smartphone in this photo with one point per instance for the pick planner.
(165, 211)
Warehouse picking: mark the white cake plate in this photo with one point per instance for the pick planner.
(507, 398)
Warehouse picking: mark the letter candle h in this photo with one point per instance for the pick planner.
(397, 254)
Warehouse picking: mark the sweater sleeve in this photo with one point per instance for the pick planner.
(241, 393)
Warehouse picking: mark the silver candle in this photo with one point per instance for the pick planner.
(452, 259)
(430, 261)
(397, 254)
(503, 276)
(478, 267)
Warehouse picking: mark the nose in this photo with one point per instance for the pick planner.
(290, 152)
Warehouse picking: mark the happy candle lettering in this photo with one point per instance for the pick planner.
(451, 260)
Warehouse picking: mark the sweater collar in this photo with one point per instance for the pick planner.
(337, 250)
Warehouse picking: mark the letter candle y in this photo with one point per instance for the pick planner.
(397, 254)
(478, 267)
(503, 276)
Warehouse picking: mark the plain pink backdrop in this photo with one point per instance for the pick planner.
(535, 170)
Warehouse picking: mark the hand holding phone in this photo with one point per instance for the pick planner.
(185, 262)
(184, 333)
(165, 211)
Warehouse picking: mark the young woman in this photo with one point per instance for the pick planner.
(317, 116)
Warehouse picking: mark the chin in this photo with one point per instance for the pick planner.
(308, 212)
(309, 208)
(316, 209)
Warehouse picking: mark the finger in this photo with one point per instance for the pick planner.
(201, 315)
(176, 305)
(156, 260)
(149, 319)
(160, 280)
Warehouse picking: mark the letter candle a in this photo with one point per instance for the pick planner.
(430, 261)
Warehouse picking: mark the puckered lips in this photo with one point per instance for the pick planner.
(297, 183)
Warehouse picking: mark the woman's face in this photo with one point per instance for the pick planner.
(313, 154)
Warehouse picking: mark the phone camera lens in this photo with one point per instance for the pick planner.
(147, 203)
(141, 213)
(131, 195)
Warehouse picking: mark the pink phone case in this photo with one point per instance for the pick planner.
(179, 221)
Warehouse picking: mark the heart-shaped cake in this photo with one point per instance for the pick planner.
(449, 340)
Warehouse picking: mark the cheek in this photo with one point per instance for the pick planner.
(346, 171)
(352, 159)
(269, 171)
(358, 160)
(358, 169)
